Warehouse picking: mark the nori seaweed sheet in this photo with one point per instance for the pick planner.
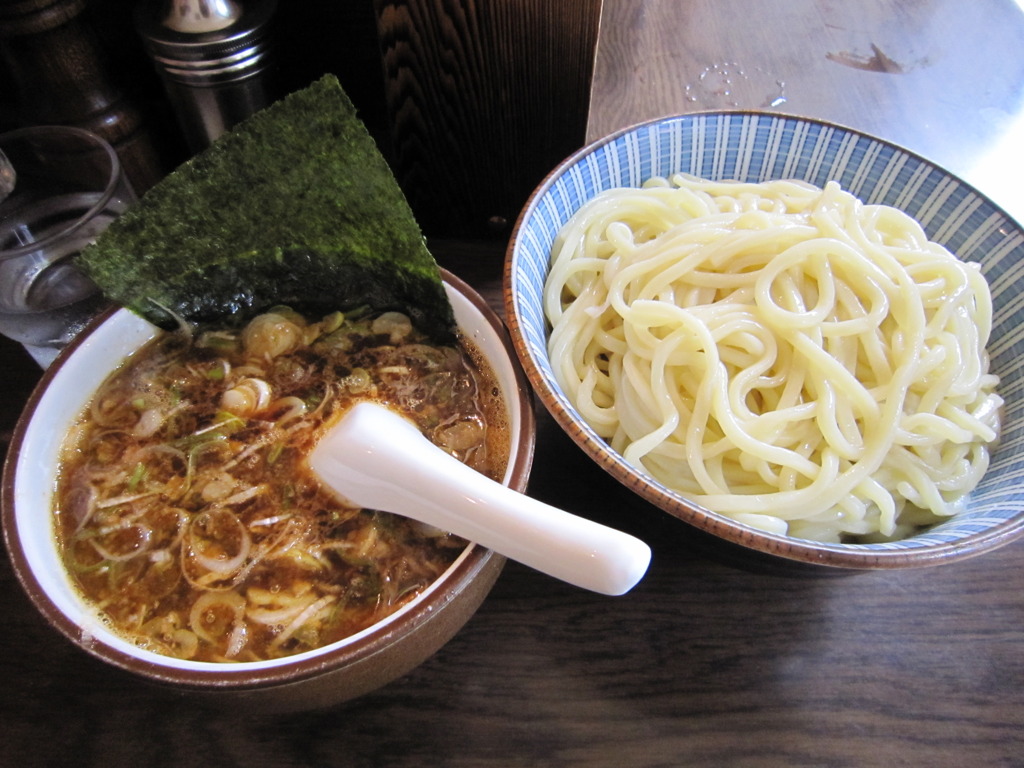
(294, 206)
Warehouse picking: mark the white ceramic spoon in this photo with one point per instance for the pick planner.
(377, 459)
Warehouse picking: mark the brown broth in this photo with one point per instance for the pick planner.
(189, 519)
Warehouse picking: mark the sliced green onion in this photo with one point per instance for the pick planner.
(275, 452)
(221, 341)
(332, 322)
(137, 476)
(229, 421)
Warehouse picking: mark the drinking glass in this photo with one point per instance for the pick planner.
(68, 185)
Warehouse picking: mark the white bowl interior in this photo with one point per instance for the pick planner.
(64, 399)
(758, 147)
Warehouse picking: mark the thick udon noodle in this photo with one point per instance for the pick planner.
(781, 354)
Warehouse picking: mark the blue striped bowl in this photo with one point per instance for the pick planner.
(750, 146)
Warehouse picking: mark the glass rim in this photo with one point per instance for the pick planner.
(106, 194)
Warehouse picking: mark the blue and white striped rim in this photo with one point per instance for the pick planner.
(750, 146)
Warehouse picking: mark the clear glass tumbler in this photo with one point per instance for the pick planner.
(68, 185)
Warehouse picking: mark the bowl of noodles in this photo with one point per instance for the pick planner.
(159, 514)
(802, 341)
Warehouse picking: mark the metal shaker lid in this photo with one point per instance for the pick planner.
(235, 46)
(195, 16)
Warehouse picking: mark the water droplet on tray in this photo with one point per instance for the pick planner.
(730, 85)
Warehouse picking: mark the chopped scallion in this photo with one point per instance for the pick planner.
(138, 475)
(275, 452)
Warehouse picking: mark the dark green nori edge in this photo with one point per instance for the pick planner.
(294, 206)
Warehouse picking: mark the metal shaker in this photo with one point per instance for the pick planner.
(215, 59)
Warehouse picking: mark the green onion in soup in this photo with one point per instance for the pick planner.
(186, 513)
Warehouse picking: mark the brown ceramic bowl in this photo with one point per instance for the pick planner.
(754, 147)
(334, 673)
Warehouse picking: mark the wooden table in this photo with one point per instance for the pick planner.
(704, 663)
(943, 78)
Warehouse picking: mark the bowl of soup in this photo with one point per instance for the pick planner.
(801, 341)
(159, 513)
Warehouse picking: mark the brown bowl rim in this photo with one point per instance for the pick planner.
(226, 676)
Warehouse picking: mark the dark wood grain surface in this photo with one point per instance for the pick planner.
(705, 663)
(483, 99)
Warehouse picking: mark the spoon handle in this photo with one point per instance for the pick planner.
(377, 459)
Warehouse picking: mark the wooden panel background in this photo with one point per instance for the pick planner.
(484, 98)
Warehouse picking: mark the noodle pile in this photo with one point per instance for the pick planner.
(778, 353)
